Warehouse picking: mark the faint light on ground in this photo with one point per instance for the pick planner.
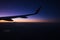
(6, 30)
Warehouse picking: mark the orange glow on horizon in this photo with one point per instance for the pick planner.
(25, 20)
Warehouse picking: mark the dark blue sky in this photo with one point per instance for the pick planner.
(50, 8)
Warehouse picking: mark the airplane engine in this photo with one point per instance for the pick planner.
(8, 19)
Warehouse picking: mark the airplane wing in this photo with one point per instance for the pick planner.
(9, 18)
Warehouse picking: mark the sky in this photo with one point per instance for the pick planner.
(50, 11)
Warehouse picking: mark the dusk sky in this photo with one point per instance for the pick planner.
(49, 12)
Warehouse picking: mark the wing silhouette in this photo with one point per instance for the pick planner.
(9, 18)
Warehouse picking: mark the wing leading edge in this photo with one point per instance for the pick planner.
(9, 18)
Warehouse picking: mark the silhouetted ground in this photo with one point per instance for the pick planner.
(29, 31)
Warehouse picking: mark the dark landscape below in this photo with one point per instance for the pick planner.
(29, 31)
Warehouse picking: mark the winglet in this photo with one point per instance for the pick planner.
(37, 10)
